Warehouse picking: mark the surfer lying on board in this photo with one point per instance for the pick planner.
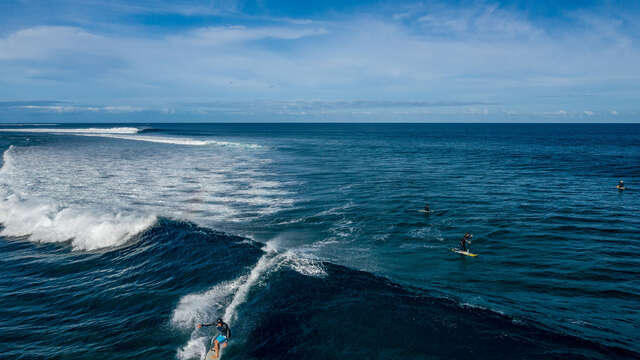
(224, 334)
(463, 242)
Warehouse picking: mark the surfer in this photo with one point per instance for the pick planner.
(224, 334)
(426, 207)
(620, 185)
(463, 242)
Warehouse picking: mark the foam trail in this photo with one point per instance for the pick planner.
(266, 261)
(115, 130)
(195, 308)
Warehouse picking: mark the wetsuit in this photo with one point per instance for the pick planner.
(223, 330)
(463, 243)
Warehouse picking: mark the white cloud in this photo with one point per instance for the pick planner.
(81, 108)
(41, 42)
(588, 113)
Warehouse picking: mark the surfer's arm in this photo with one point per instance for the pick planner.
(201, 325)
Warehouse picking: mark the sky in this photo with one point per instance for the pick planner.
(322, 61)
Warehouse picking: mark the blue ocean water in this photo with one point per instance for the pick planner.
(117, 240)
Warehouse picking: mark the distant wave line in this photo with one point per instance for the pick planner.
(115, 130)
(127, 133)
(171, 140)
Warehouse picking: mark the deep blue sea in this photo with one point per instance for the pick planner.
(116, 240)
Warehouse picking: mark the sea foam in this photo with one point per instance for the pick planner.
(102, 196)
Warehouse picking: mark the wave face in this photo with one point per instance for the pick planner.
(121, 247)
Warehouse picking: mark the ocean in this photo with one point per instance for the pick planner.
(116, 240)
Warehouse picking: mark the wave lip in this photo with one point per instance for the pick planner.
(85, 229)
(114, 130)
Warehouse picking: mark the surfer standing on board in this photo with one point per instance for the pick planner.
(463, 242)
(224, 334)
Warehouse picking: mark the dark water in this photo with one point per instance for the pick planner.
(307, 240)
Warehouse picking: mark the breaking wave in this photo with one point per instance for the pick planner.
(86, 229)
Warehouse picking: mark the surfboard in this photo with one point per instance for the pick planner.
(458, 251)
(620, 187)
(425, 211)
(212, 355)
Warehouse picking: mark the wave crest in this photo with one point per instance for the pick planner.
(114, 130)
(84, 228)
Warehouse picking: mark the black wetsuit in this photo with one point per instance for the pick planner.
(463, 243)
(223, 329)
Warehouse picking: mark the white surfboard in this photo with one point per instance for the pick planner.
(458, 251)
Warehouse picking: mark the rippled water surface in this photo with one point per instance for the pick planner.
(306, 238)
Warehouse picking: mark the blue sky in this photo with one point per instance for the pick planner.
(332, 60)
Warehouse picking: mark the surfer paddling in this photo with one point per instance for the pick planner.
(463, 242)
(224, 335)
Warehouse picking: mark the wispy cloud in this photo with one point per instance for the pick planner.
(65, 107)
(229, 34)
(556, 113)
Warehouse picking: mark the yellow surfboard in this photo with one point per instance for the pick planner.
(458, 251)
